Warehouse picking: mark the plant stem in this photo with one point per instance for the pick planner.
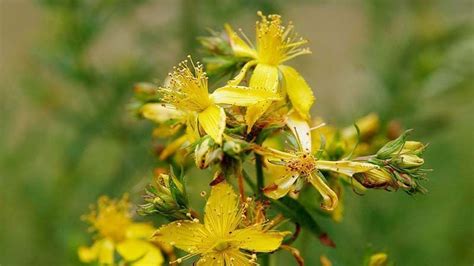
(240, 180)
(259, 172)
(265, 260)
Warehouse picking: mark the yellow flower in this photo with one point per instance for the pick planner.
(187, 91)
(302, 164)
(116, 232)
(275, 44)
(223, 237)
(161, 113)
(170, 122)
(378, 259)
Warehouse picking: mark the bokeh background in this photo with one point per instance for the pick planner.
(66, 72)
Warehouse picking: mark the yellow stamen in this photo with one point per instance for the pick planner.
(187, 89)
(110, 217)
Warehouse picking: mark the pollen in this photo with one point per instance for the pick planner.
(277, 43)
(110, 217)
(187, 88)
(304, 164)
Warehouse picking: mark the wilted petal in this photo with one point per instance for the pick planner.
(330, 199)
(348, 168)
(301, 130)
(281, 186)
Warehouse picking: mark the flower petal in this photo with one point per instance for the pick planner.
(160, 112)
(171, 148)
(273, 154)
(264, 77)
(222, 210)
(140, 252)
(140, 230)
(330, 199)
(211, 259)
(256, 240)
(242, 96)
(348, 168)
(239, 46)
(237, 79)
(212, 120)
(281, 186)
(301, 130)
(89, 254)
(102, 250)
(299, 92)
(190, 236)
(235, 257)
(254, 112)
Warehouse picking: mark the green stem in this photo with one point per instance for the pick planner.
(265, 260)
(249, 181)
(259, 172)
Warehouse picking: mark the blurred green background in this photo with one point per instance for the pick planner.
(67, 68)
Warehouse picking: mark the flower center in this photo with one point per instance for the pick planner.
(222, 245)
(111, 218)
(304, 164)
(277, 43)
(187, 88)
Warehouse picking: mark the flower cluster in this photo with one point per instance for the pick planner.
(259, 117)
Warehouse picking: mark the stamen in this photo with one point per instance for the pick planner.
(318, 126)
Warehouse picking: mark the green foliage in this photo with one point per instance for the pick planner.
(79, 142)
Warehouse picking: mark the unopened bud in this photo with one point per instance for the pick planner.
(234, 147)
(144, 89)
(378, 259)
(215, 45)
(392, 147)
(207, 152)
(159, 113)
(375, 178)
(413, 147)
(165, 196)
(408, 161)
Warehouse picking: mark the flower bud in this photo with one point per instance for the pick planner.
(159, 113)
(392, 147)
(216, 45)
(207, 152)
(408, 161)
(234, 147)
(378, 259)
(144, 88)
(375, 178)
(165, 196)
(413, 147)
